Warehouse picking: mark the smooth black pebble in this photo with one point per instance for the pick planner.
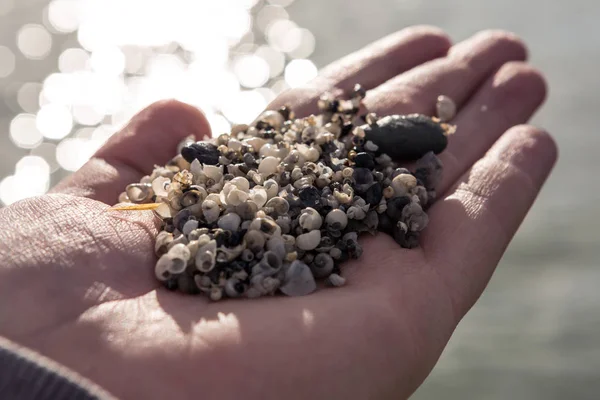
(407, 137)
(206, 153)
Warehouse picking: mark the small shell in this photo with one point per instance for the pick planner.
(213, 172)
(205, 257)
(356, 213)
(139, 192)
(258, 195)
(268, 165)
(269, 265)
(191, 197)
(308, 241)
(254, 240)
(402, 183)
(272, 188)
(179, 256)
(189, 226)
(267, 226)
(310, 219)
(163, 239)
(337, 219)
(277, 245)
(322, 265)
(298, 280)
(273, 118)
(236, 197)
(336, 280)
(234, 288)
(210, 210)
(241, 183)
(446, 108)
(279, 205)
(414, 217)
(230, 222)
(160, 186)
(255, 142)
(161, 269)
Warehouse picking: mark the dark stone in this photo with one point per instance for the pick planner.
(407, 137)
(386, 224)
(346, 129)
(374, 194)
(206, 153)
(187, 284)
(362, 176)
(395, 207)
(310, 197)
(171, 284)
(285, 112)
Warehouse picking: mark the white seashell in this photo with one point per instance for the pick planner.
(234, 145)
(298, 280)
(163, 239)
(139, 192)
(161, 268)
(229, 222)
(272, 188)
(241, 183)
(236, 197)
(189, 226)
(213, 172)
(337, 218)
(336, 280)
(273, 118)
(160, 186)
(163, 211)
(214, 197)
(205, 257)
(268, 165)
(279, 205)
(308, 241)
(277, 245)
(179, 256)
(254, 240)
(402, 183)
(258, 195)
(310, 219)
(210, 210)
(256, 143)
(355, 212)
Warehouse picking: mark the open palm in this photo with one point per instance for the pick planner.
(77, 282)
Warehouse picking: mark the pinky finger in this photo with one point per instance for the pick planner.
(471, 228)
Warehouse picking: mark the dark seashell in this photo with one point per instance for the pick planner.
(429, 170)
(310, 197)
(249, 160)
(407, 137)
(395, 207)
(364, 160)
(374, 194)
(181, 218)
(206, 153)
(408, 240)
(285, 112)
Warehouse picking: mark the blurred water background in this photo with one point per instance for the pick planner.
(73, 71)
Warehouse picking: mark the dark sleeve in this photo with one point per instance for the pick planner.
(25, 375)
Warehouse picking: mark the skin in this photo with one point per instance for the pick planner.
(77, 283)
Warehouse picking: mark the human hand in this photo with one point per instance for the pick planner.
(77, 282)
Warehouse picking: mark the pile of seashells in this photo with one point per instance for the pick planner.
(279, 204)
